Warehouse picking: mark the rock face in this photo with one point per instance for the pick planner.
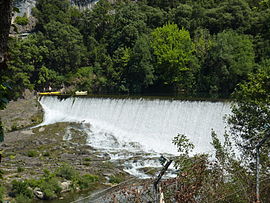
(22, 113)
(27, 152)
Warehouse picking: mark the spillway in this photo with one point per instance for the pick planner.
(140, 124)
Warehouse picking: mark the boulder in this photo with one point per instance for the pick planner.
(38, 193)
(65, 186)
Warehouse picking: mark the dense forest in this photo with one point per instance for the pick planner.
(154, 46)
(147, 46)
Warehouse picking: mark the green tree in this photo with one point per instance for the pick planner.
(140, 71)
(51, 10)
(173, 49)
(83, 79)
(67, 51)
(230, 60)
(230, 14)
(250, 119)
(129, 26)
(183, 16)
(97, 22)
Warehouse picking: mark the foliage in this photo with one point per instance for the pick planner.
(249, 122)
(21, 188)
(204, 179)
(115, 179)
(3, 102)
(183, 144)
(87, 181)
(83, 79)
(137, 46)
(22, 199)
(2, 192)
(140, 65)
(32, 153)
(230, 60)
(173, 49)
(21, 20)
(68, 172)
(51, 10)
(66, 47)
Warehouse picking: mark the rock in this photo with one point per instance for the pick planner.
(38, 193)
(41, 129)
(27, 132)
(65, 186)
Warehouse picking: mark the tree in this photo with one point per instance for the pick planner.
(250, 119)
(5, 21)
(140, 71)
(97, 22)
(230, 14)
(182, 16)
(51, 10)
(173, 50)
(67, 51)
(5, 16)
(230, 60)
(129, 26)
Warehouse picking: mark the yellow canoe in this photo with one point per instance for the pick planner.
(49, 93)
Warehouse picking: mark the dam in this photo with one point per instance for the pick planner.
(124, 126)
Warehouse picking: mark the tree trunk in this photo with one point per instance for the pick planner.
(5, 21)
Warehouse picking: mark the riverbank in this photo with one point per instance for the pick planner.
(29, 154)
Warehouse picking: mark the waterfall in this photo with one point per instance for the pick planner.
(140, 124)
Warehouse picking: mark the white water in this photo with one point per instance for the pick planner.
(124, 127)
(151, 123)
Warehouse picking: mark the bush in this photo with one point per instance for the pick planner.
(116, 179)
(2, 192)
(21, 188)
(20, 169)
(32, 153)
(50, 188)
(48, 184)
(47, 154)
(87, 180)
(1, 174)
(68, 172)
(22, 199)
(21, 20)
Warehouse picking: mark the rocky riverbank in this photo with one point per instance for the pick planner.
(40, 153)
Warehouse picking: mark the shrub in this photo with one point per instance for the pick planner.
(87, 180)
(46, 154)
(68, 172)
(2, 192)
(116, 179)
(48, 184)
(21, 20)
(50, 188)
(20, 169)
(21, 188)
(22, 199)
(1, 174)
(87, 159)
(32, 153)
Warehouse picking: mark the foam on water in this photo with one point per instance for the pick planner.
(120, 126)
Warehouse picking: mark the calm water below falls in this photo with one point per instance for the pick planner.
(122, 127)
